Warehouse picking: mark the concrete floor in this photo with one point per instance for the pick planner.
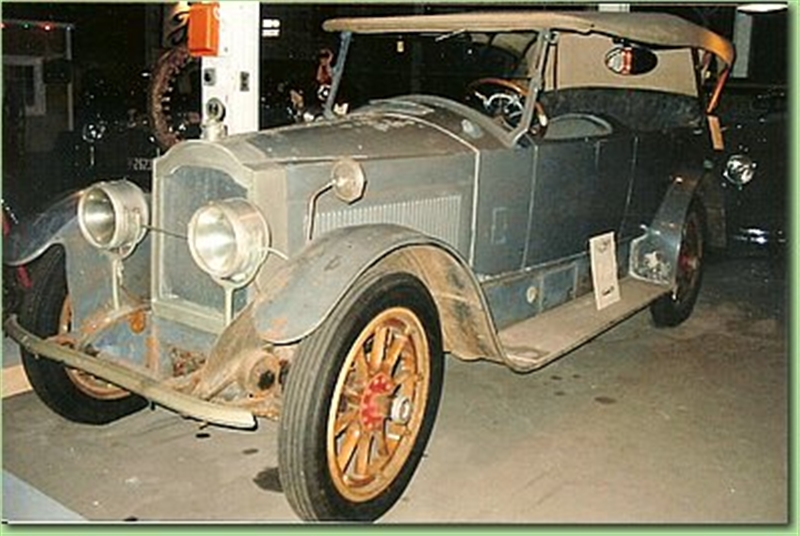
(687, 425)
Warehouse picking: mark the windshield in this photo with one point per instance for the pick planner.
(386, 65)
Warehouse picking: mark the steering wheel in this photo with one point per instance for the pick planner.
(504, 100)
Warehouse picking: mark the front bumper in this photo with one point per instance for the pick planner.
(131, 380)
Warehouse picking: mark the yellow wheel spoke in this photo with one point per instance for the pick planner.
(361, 366)
(381, 455)
(394, 434)
(345, 420)
(348, 447)
(351, 395)
(394, 353)
(378, 348)
(407, 382)
(381, 446)
(363, 455)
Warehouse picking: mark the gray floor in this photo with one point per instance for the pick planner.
(687, 425)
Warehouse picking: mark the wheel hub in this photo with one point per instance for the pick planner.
(375, 402)
(402, 410)
(688, 262)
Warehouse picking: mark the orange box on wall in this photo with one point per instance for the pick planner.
(204, 29)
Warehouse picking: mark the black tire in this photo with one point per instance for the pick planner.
(673, 308)
(316, 466)
(64, 390)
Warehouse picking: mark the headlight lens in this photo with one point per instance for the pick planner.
(229, 239)
(740, 169)
(93, 132)
(113, 216)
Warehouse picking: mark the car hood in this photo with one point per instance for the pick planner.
(397, 128)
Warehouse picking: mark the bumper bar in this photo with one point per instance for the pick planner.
(132, 381)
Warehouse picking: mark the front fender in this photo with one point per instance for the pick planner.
(307, 288)
(304, 291)
(89, 270)
(38, 231)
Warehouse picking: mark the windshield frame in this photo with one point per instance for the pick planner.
(535, 58)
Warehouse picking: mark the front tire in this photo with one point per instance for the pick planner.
(360, 401)
(673, 308)
(73, 394)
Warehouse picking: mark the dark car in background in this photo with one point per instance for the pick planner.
(755, 120)
(754, 115)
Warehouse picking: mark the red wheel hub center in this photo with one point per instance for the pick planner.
(686, 262)
(375, 402)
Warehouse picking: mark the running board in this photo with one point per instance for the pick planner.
(535, 342)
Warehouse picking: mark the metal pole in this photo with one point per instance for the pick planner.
(70, 96)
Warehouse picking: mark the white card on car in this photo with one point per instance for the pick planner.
(603, 253)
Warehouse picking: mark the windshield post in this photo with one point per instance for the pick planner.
(714, 100)
(539, 54)
(338, 69)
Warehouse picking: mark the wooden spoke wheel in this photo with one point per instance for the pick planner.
(91, 385)
(360, 401)
(672, 309)
(378, 404)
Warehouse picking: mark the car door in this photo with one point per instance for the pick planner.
(580, 188)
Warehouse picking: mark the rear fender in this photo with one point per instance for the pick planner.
(654, 255)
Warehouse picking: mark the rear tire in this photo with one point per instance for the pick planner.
(360, 401)
(673, 308)
(74, 395)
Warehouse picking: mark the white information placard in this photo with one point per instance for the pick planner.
(603, 253)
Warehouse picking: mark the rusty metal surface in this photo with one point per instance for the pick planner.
(239, 341)
(131, 380)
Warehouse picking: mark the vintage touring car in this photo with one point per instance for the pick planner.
(318, 273)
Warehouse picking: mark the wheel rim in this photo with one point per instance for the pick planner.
(378, 404)
(689, 260)
(85, 382)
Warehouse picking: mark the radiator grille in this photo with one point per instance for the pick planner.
(183, 192)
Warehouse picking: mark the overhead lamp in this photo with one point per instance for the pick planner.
(761, 7)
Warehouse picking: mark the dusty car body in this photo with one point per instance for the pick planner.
(317, 273)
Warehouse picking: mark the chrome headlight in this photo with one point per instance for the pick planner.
(740, 169)
(229, 240)
(113, 216)
(93, 132)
